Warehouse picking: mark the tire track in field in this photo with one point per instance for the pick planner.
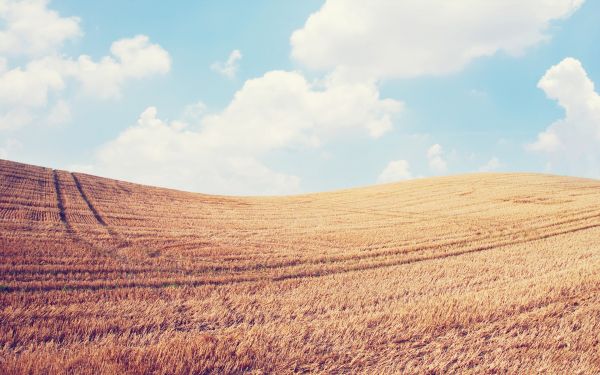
(392, 263)
(71, 232)
(87, 201)
(63, 213)
(352, 260)
(60, 201)
(320, 272)
(390, 252)
(504, 238)
(120, 241)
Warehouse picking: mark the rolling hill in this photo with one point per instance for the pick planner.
(474, 274)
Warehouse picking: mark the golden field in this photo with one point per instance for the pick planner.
(481, 273)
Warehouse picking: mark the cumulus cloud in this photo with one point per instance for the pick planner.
(289, 111)
(396, 170)
(132, 58)
(435, 157)
(34, 74)
(229, 68)
(29, 86)
(222, 152)
(30, 28)
(25, 91)
(174, 155)
(400, 39)
(571, 144)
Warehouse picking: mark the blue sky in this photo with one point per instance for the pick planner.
(362, 93)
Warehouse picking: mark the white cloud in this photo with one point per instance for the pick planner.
(571, 144)
(32, 35)
(435, 157)
(395, 171)
(399, 39)
(547, 141)
(29, 87)
(134, 58)
(25, 91)
(139, 58)
(282, 109)
(174, 155)
(492, 165)
(222, 152)
(229, 68)
(30, 28)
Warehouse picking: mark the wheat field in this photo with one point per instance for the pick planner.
(480, 273)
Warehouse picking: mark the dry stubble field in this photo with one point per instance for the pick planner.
(473, 274)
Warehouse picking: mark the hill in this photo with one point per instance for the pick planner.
(474, 273)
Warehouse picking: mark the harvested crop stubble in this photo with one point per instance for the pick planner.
(474, 273)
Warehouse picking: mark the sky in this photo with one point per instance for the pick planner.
(273, 97)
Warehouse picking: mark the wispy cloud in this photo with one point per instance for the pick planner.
(230, 67)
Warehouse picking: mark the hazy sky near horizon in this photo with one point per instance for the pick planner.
(273, 97)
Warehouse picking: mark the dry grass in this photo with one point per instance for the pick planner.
(486, 273)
